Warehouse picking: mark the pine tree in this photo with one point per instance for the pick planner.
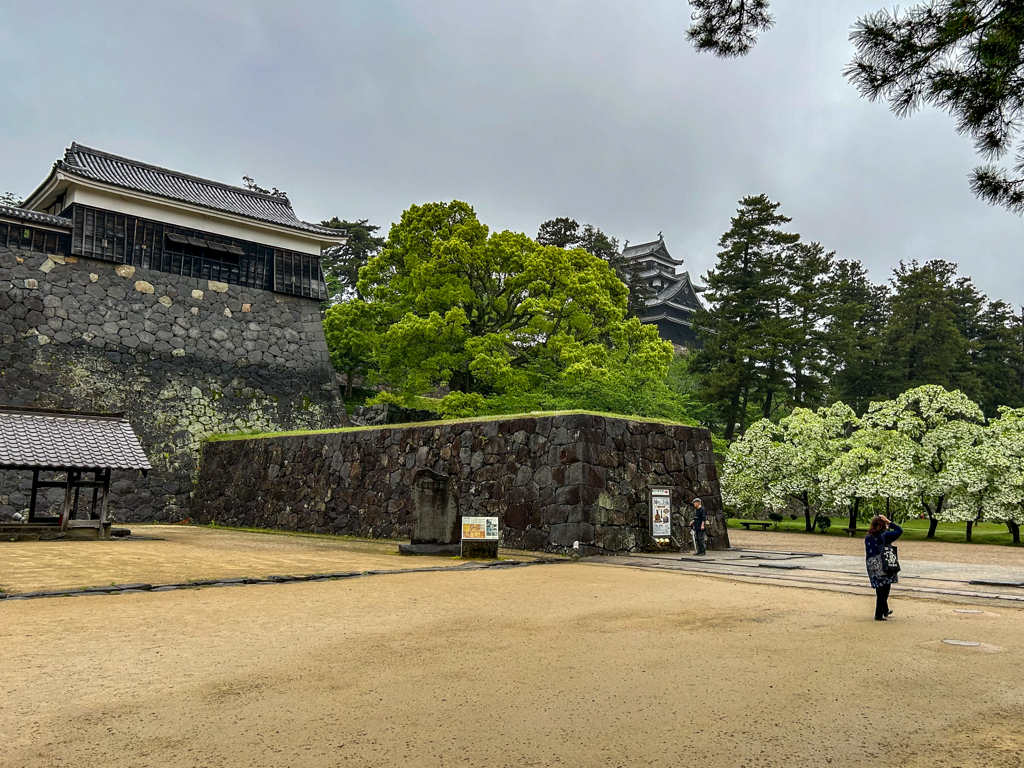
(808, 271)
(858, 314)
(341, 263)
(745, 332)
(926, 339)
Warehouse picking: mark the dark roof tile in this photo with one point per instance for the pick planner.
(69, 440)
(150, 179)
(34, 217)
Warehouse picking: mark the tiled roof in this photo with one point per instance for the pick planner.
(130, 174)
(647, 249)
(22, 214)
(39, 438)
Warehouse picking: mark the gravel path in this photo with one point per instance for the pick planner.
(565, 665)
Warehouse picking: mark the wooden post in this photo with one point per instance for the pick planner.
(65, 515)
(32, 498)
(106, 493)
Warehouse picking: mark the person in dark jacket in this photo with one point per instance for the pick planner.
(699, 523)
(882, 531)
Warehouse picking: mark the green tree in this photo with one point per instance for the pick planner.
(856, 318)
(930, 317)
(484, 313)
(743, 332)
(963, 56)
(567, 233)
(352, 332)
(997, 358)
(341, 263)
(808, 271)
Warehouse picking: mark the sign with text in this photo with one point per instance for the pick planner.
(661, 513)
(485, 528)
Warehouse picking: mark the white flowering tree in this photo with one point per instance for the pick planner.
(751, 467)
(986, 479)
(936, 425)
(774, 464)
(873, 464)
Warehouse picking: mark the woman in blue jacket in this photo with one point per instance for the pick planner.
(881, 531)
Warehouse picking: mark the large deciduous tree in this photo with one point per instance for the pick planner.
(939, 424)
(352, 331)
(567, 233)
(775, 464)
(481, 312)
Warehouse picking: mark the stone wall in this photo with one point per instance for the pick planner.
(183, 357)
(551, 480)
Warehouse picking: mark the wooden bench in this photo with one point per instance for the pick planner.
(763, 523)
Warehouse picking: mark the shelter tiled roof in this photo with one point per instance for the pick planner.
(34, 217)
(122, 172)
(68, 440)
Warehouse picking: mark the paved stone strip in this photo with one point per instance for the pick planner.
(123, 589)
(806, 579)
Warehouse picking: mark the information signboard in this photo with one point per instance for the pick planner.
(661, 513)
(480, 528)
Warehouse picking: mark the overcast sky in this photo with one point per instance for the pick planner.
(527, 110)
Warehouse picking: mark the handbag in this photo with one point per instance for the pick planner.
(890, 560)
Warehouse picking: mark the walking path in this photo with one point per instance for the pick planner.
(945, 580)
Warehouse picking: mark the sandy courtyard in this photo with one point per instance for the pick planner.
(548, 665)
(180, 553)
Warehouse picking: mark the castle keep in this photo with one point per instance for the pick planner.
(189, 305)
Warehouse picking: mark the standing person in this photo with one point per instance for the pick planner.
(882, 531)
(699, 524)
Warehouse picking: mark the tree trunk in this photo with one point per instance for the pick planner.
(807, 513)
(348, 385)
(730, 418)
(1014, 530)
(933, 523)
(970, 527)
(743, 411)
(853, 513)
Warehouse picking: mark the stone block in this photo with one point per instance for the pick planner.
(216, 286)
(142, 286)
(125, 270)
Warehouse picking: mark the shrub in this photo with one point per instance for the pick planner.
(776, 518)
(822, 523)
(792, 517)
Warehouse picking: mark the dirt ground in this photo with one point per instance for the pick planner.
(550, 665)
(945, 552)
(180, 553)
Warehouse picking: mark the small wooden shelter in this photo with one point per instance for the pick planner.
(72, 450)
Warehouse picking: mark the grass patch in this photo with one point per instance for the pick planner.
(468, 420)
(913, 530)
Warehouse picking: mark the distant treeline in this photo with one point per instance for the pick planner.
(791, 325)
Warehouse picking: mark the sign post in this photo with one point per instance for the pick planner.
(480, 537)
(661, 516)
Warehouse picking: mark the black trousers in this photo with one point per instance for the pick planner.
(882, 601)
(701, 546)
